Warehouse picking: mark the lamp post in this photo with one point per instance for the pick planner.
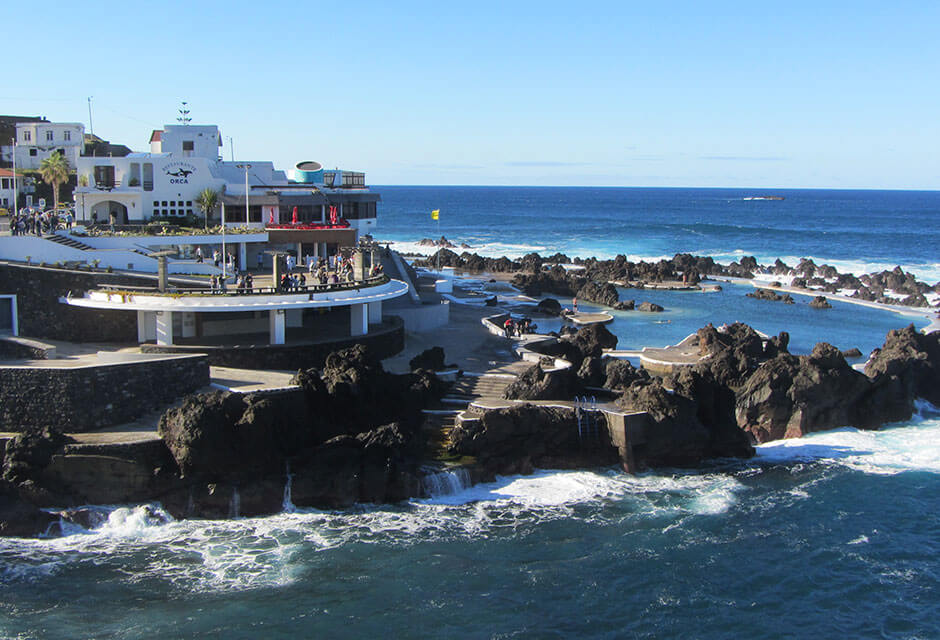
(246, 166)
(16, 210)
(224, 257)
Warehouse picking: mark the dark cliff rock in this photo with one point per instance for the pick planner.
(674, 435)
(592, 339)
(537, 384)
(625, 305)
(905, 367)
(790, 396)
(820, 302)
(519, 438)
(202, 437)
(602, 293)
(19, 517)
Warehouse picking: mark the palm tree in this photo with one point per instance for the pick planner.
(54, 171)
(207, 201)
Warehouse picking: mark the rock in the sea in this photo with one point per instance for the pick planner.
(600, 292)
(625, 305)
(820, 302)
(854, 352)
(19, 517)
(909, 365)
(790, 396)
(767, 294)
(549, 307)
(649, 307)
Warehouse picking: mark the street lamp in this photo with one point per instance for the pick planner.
(16, 210)
(246, 166)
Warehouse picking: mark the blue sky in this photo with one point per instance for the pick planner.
(790, 94)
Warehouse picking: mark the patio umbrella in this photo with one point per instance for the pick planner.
(293, 219)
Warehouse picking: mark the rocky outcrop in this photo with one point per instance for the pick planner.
(649, 307)
(537, 384)
(820, 302)
(20, 517)
(625, 305)
(602, 293)
(548, 307)
(431, 359)
(790, 396)
(767, 294)
(907, 366)
(520, 438)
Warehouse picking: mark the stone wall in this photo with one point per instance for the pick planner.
(90, 397)
(15, 348)
(41, 315)
(385, 340)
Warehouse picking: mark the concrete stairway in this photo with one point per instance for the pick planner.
(67, 241)
(469, 388)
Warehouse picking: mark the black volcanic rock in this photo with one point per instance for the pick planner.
(767, 294)
(432, 359)
(520, 438)
(649, 307)
(600, 292)
(537, 384)
(790, 396)
(549, 307)
(908, 364)
(820, 302)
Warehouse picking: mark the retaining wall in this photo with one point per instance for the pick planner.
(383, 342)
(90, 397)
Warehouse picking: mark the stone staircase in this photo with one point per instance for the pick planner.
(67, 241)
(439, 423)
(469, 388)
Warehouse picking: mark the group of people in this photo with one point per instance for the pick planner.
(243, 284)
(517, 327)
(28, 221)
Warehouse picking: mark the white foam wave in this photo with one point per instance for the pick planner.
(913, 446)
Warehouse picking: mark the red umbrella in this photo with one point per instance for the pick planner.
(271, 216)
(293, 219)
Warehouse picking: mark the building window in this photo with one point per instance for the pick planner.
(156, 203)
(49, 136)
(148, 176)
(27, 136)
(67, 135)
(32, 152)
(5, 183)
(164, 204)
(189, 203)
(104, 176)
(188, 145)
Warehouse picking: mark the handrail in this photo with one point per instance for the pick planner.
(257, 291)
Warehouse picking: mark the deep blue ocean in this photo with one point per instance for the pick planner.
(836, 535)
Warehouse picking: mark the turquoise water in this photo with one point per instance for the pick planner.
(834, 535)
(846, 325)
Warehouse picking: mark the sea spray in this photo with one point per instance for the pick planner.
(235, 505)
(445, 482)
(287, 504)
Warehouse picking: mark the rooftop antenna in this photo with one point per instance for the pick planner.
(91, 125)
(184, 118)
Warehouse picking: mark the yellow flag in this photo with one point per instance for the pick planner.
(436, 214)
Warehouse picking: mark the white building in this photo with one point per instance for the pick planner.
(6, 189)
(36, 141)
(184, 160)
